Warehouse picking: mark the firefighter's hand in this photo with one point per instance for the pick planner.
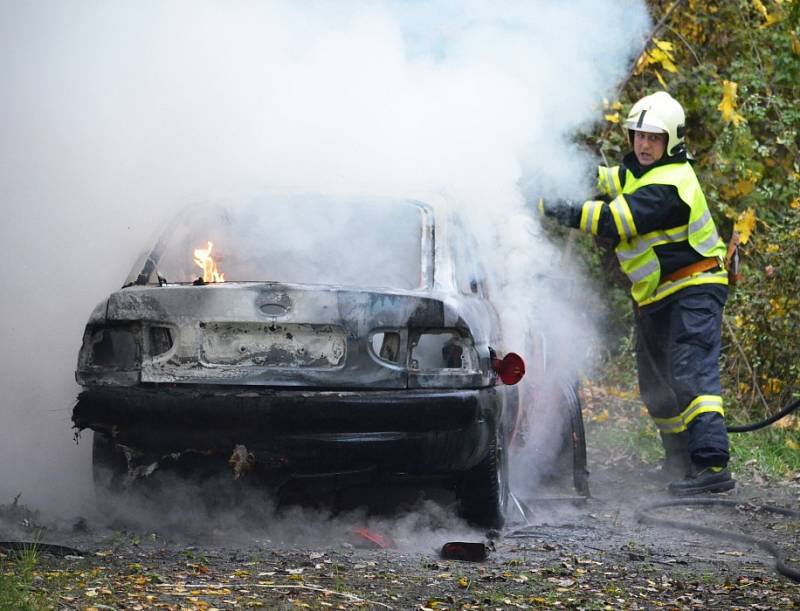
(561, 210)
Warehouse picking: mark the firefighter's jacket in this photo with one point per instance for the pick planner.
(659, 219)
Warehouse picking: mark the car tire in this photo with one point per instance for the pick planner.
(484, 490)
(572, 456)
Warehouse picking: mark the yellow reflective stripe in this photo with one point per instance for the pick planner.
(590, 216)
(612, 187)
(643, 272)
(701, 222)
(649, 240)
(710, 242)
(623, 219)
(616, 184)
(602, 180)
(608, 181)
(702, 404)
(668, 288)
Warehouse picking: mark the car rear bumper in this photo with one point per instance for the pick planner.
(420, 432)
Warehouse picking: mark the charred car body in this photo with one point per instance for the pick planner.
(305, 338)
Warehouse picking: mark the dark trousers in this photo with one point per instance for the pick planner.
(677, 352)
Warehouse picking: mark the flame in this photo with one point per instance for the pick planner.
(202, 257)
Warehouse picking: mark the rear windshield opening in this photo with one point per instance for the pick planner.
(298, 240)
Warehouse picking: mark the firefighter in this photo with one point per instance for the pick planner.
(653, 209)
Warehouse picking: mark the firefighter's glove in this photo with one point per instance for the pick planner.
(563, 211)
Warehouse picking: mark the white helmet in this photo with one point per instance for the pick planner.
(659, 113)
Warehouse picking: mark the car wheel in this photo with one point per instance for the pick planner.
(109, 470)
(484, 490)
(572, 456)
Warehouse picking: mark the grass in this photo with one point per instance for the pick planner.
(772, 451)
(16, 582)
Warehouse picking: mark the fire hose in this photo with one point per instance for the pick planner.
(780, 558)
(746, 428)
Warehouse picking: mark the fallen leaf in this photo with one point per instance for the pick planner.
(602, 417)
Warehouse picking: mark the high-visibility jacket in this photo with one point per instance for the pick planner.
(659, 215)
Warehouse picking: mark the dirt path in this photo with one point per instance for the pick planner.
(592, 555)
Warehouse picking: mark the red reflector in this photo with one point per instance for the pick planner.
(511, 369)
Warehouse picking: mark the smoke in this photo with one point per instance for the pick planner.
(114, 114)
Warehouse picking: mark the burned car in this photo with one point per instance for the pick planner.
(304, 337)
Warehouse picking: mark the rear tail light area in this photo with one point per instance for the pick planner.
(161, 340)
(426, 350)
(435, 349)
(122, 346)
(116, 347)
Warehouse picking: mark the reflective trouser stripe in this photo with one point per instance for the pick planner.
(700, 405)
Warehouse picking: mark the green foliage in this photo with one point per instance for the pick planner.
(637, 438)
(770, 452)
(16, 582)
(736, 71)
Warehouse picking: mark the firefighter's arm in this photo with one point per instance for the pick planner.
(563, 211)
(647, 209)
(610, 180)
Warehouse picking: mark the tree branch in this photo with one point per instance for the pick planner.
(756, 387)
(648, 42)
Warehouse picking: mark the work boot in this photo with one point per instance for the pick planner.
(703, 479)
(676, 462)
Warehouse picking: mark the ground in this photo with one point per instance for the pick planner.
(570, 554)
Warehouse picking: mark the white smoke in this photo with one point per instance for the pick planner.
(114, 114)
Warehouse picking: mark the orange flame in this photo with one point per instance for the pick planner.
(202, 257)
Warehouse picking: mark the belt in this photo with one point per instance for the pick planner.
(695, 268)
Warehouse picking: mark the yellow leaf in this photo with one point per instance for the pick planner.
(795, 203)
(792, 444)
(617, 105)
(728, 104)
(777, 310)
(613, 118)
(660, 79)
(463, 582)
(795, 44)
(745, 225)
(787, 422)
(773, 386)
(602, 417)
(773, 248)
(664, 58)
(664, 45)
(759, 6)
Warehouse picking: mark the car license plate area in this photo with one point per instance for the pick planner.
(272, 345)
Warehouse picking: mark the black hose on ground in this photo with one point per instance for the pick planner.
(746, 428)
(19, 547)
(780, 559)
